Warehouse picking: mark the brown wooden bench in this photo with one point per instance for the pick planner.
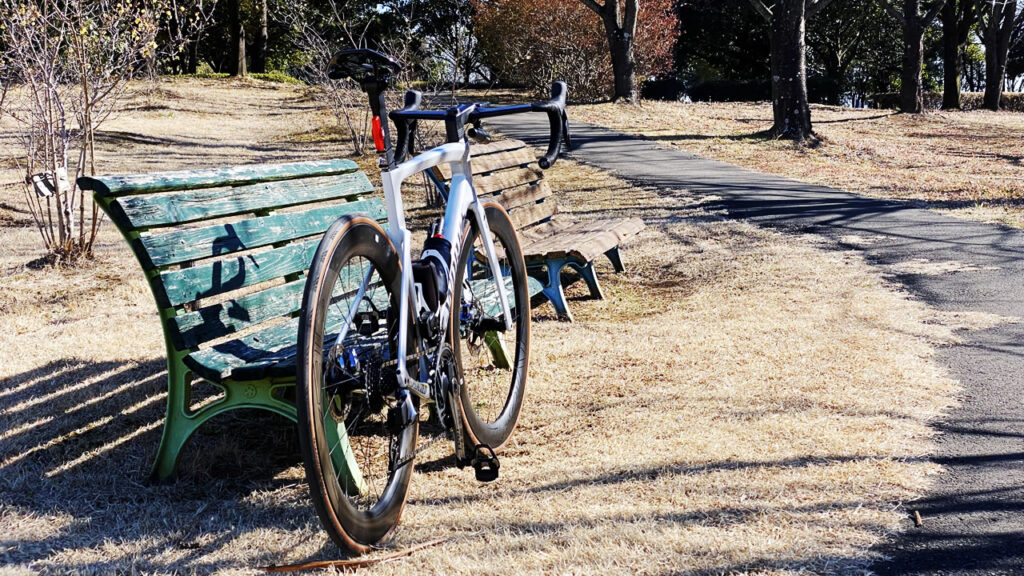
(506, 171)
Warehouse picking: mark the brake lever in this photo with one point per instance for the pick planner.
(406, 146)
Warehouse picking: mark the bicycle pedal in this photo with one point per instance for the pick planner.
(485, 464)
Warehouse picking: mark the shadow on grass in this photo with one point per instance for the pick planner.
(759, 136)
(858, 119)
(1012, 203)
(77, 439)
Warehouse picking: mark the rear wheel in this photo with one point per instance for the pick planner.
(356, 448)
(493, 359)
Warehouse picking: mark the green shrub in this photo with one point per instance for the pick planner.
(204, 70)
(276, 76)
(1010, 101)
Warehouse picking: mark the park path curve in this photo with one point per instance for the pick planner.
(973, 520)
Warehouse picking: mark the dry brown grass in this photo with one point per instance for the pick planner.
(742, 402)
(968, 162)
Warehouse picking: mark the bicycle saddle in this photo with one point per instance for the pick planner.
(361, 65)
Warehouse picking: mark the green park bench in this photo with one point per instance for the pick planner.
(225, 252)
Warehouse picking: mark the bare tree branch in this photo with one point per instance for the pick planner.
(1019, 20)
(599, 9)
(4, 88)
(762, 9)
(629, 20)
(932, 12)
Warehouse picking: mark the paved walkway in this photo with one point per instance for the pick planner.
(974, 518)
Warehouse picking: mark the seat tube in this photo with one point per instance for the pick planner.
(399, 236)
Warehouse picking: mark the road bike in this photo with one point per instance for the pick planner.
(381, 334)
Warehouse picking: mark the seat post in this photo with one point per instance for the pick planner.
(375, 89)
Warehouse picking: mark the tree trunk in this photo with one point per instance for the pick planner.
(789, 71)
(997, 47)
(240, 67)
(911, 91)
(193, 57)
(237, 25)
(623, 65)
(835, 72)
(620, 28)
(992, 88)
(951, 56)
(259, 55)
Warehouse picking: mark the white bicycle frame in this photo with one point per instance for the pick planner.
(462, 199)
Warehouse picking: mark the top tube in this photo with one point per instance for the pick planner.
(450, 153)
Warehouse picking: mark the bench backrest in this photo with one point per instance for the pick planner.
(506, 172)
(239, 237)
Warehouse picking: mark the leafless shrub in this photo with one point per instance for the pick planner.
(72, 60)
(314, 38)
(322, 30)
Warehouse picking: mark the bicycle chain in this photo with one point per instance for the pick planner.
(434, 440)
(418, 451)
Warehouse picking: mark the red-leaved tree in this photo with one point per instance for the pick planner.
(532, 43)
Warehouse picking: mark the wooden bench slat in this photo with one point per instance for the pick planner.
(498, 181)
(584, 241)
(118, 185)
(146, 211)
(482, 164)
(553, 226)
(524, 195)
(623, 228)
(267, 353)
(517, 158)
(218, 363)
(524, 216)
(197, 243)
(496, 147)
(223, 276)
(212, 322)
(218, 320)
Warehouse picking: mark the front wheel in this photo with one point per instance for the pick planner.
(493, 359)
(356, 449)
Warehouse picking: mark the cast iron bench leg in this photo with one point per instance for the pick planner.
(553, 289)
(590, 277)
(613, 256)
(181, 422)
(178, 427)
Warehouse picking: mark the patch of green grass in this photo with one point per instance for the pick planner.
(273, 76)
(276, 76)
(202, 74)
